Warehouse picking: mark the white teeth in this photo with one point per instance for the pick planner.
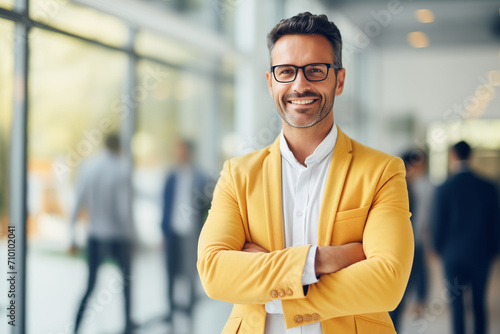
(301, 101)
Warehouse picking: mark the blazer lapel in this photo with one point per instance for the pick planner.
(272, 197)
(341, 160)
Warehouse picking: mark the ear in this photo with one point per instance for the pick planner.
(340, 82)
(269, 78)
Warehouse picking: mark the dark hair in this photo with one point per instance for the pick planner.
(414, 157)
(308, 24)
(113, 142)
(462, 150)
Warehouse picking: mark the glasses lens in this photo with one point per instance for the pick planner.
(284, 73)
(315, 72)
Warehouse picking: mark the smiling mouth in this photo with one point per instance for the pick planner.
(301, 102)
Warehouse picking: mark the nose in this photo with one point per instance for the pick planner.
(300, 83)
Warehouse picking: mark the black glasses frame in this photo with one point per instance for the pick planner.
(335, 67)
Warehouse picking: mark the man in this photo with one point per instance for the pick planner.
(103, 189)
(420, 192)
(290, 225)
(466, 235)
(185, 205)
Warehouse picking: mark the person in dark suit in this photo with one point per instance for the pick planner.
(420, 192)
(186, 199)
(466, 236)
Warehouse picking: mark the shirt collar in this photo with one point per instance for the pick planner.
(321, 152)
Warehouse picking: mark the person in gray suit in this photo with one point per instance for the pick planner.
(465, 235)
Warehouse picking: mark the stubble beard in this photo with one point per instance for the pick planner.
(320, 115)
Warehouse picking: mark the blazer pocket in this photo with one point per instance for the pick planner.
(349, 226)
(370, 326)
(232, 326)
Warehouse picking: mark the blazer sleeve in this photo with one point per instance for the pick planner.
(230, 275)
(376, 284)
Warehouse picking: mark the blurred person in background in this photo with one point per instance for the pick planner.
(102, 187)
(420, 192)
(186, 200)
(466, 236)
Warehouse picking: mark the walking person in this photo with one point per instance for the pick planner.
(420, 194)
(465, 235)
(186, 199)
(102, 187)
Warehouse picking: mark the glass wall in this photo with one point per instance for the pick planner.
(6, 92)
(80, 20)
(84, 82)
(176, 104)
(6, 4)
(74, 90)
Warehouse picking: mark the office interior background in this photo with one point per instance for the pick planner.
(422, 74)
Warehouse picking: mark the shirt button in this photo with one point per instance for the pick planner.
(315, 317)
(298, 318)
(274, 294)
(289, 292)
(299, 213)
(281, 293)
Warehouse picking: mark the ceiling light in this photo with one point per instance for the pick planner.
(424, 15)
(417, 39)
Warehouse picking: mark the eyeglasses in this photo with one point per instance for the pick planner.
(312, 72)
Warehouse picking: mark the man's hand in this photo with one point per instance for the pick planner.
(330, 259)
(253, 248)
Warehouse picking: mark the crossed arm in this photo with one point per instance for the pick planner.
(329, 259)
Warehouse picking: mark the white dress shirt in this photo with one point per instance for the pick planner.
(302, 193)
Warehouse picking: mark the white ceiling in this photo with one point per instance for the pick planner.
(456, 22)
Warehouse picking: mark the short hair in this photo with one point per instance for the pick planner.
(113, 142)
(308, 24)
(414, 157)
(462, 150)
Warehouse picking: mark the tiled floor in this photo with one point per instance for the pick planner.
(57, 281)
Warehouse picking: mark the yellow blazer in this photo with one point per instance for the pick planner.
(365, 200)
